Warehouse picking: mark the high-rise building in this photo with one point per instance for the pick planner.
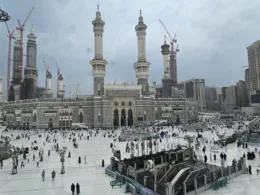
(30, 71)
(211, 97)
(229, 98)
(194, 90)
(253, 52)
(15, 88)
(242, 94)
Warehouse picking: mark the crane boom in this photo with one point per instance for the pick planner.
(166, 30)
(58, 68)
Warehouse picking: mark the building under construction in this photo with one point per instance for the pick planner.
(28, 89)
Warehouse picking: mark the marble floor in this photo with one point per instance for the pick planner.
(91, 176)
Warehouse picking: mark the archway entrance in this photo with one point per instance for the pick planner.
(50, 124)
(123, 118)
(116, 118)
(130, 118)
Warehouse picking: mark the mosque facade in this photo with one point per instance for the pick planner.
(111, 105)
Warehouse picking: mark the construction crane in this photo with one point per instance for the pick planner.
(58, 68)
(46, 66)
(20, 28)
(10, 36)
(172, 40)
(244, 66)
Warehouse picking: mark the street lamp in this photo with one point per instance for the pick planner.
(4, 17)
(62, 159)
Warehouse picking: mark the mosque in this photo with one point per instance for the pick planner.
(111, 105)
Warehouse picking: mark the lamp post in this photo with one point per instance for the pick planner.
(4, 17)
(62, 159)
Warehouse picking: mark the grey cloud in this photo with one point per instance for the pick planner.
(212, 37)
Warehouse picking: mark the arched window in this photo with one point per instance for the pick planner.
(123, 103)
(129, 103)
(115, 104)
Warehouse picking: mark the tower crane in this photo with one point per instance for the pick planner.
(10, 36)
(172, 40)
(20, 28)
(46, 66)
(58, 68)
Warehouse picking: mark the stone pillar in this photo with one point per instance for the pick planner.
(184, 189)
(145, 181)
(119, 118)
(222, 172)
(126, 120)
(161, 159)
(229, 172)
(205, 182)
(195, 186)
(168, 188)
(120, 167)
(155, 186)
(112, 163)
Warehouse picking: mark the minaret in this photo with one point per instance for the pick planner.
(48, 83)
(142, 66)
(30, 71)
(59, 84)
(98, 63)
(15, 89)
(166, 81)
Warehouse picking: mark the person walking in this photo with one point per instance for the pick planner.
(43, 175)
(78, 188)
(53, 174)
(85, 159)
(72, 187)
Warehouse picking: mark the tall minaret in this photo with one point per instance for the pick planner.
(142, 66)
(15, 88)
(166, 81)
(59, 84)
(30, 71)
(48, 83)
(98, 63)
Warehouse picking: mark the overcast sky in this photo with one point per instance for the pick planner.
(212, 35)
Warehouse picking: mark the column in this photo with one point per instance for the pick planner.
(126, 119)
(119, 119)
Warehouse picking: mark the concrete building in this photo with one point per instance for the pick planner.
(230, 100)
(111, 105)
(211, 98)
(194, 90)
(242, 94)
(30, 71)
(253, 52)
